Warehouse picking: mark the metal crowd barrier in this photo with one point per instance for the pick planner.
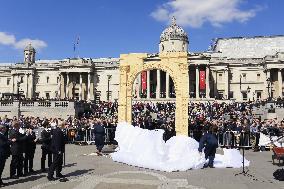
(88, 136)
(231, 139)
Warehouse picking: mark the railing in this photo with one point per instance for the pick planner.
(88, 136)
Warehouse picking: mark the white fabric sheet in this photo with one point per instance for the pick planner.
(264, 140)
(145, 148)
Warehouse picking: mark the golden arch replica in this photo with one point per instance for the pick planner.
(175, 63)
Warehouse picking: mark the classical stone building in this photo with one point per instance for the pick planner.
(241, 69)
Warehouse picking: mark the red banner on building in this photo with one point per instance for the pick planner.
(202, 83)
(144, 80)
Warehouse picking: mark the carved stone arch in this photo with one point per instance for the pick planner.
(175, 63)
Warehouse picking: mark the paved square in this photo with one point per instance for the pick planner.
(90, 171)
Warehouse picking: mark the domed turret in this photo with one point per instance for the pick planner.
(173, 39)
(29, 54)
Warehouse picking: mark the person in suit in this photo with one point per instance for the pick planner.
(4, 150)
(57, 147)
(210, 143)
(29, 151)
(45, 147)
(16, 151)
(99, 132)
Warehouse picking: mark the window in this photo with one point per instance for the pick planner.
(230, 76)
(22, 79)
(57, 79)
(244, 76)
(8, 81)
(220, 77)
(245, 95)
(258, 77)
(47, 95)
(47, 79)
(258, 95)
(231, 94)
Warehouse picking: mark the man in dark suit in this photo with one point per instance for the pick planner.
(57, 148)
(29, 151)
(4, 150)
(45, 147)
(210, 143)
(16, 151)
(99, 132)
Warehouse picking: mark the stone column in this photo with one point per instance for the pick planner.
(148, 84)
(89, 86)
(13, 84)
(197, 82)
(207, 82)
(167, 84)
(158, 88)
(31, 85)
(139, 86)
(80, 87)
(59, 86)
(280, 82)
(226, 72)
(27, 85)
(67, 85)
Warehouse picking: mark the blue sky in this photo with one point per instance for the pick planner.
(108, 28)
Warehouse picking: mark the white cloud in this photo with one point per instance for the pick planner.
(36, 43)
(195, 13)
(9, 39)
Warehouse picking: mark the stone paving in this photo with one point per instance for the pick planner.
(88, 171)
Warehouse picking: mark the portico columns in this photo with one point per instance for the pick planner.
(67, 85)
(80, 87)
(280, 82)
(207, 83)
(226, 83)
(167, 84)
(197, 82)
(139, 86)
(89, 86)
(148, 83)
(27, 85)
(59, 86)
(158, 88)
(13, 84)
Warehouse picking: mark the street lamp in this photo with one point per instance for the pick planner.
(268, 80)
(108, 81)
(248, 91)
(19, 99)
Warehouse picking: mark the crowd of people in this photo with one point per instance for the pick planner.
(18, 138)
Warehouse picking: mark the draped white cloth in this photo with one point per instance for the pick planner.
(145, 148)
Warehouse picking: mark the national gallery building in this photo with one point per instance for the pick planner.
(238, 69)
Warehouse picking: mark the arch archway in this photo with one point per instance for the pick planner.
(175, 63)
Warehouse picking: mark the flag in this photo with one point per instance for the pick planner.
(202, 84)
(78, 39)
(144, 80)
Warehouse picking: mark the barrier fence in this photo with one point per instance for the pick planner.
(230, 139)
(88, 136)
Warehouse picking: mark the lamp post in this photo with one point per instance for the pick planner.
(248, 91)
(268, 80)
(19, 99)
(108, 81)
